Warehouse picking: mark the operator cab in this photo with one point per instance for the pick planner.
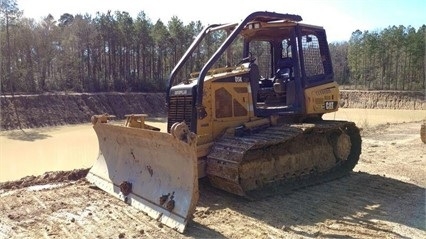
(290, 58)
(269, 64)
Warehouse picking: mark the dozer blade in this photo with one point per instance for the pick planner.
(153, 171)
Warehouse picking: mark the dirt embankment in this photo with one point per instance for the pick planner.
(407, 100)
(32, 111)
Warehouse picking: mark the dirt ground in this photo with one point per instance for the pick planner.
(383, 198)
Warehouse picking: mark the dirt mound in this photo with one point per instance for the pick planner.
(46, 178)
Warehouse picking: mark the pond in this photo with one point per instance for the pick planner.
(35, 151)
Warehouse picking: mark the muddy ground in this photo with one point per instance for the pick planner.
(383, 198)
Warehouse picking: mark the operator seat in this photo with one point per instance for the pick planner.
(283, 74)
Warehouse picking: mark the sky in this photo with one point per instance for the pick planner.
(339, 17)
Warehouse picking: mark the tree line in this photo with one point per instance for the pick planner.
(114, 52)
(389, 59)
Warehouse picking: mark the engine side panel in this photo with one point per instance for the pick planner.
(322, 99)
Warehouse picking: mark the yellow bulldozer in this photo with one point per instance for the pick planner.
(247, 116)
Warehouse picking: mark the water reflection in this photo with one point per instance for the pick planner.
(27, 135)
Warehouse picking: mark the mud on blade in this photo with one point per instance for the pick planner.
(150, 170)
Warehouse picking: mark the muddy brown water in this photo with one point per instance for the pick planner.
(35, 151)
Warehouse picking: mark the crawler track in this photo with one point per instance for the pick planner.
(291, 156)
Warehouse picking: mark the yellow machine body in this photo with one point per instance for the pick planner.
(245, 126)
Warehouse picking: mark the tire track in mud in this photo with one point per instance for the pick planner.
(359, 205)
(74, 211)
(362, 205)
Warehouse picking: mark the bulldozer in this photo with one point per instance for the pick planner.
(246, 116)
